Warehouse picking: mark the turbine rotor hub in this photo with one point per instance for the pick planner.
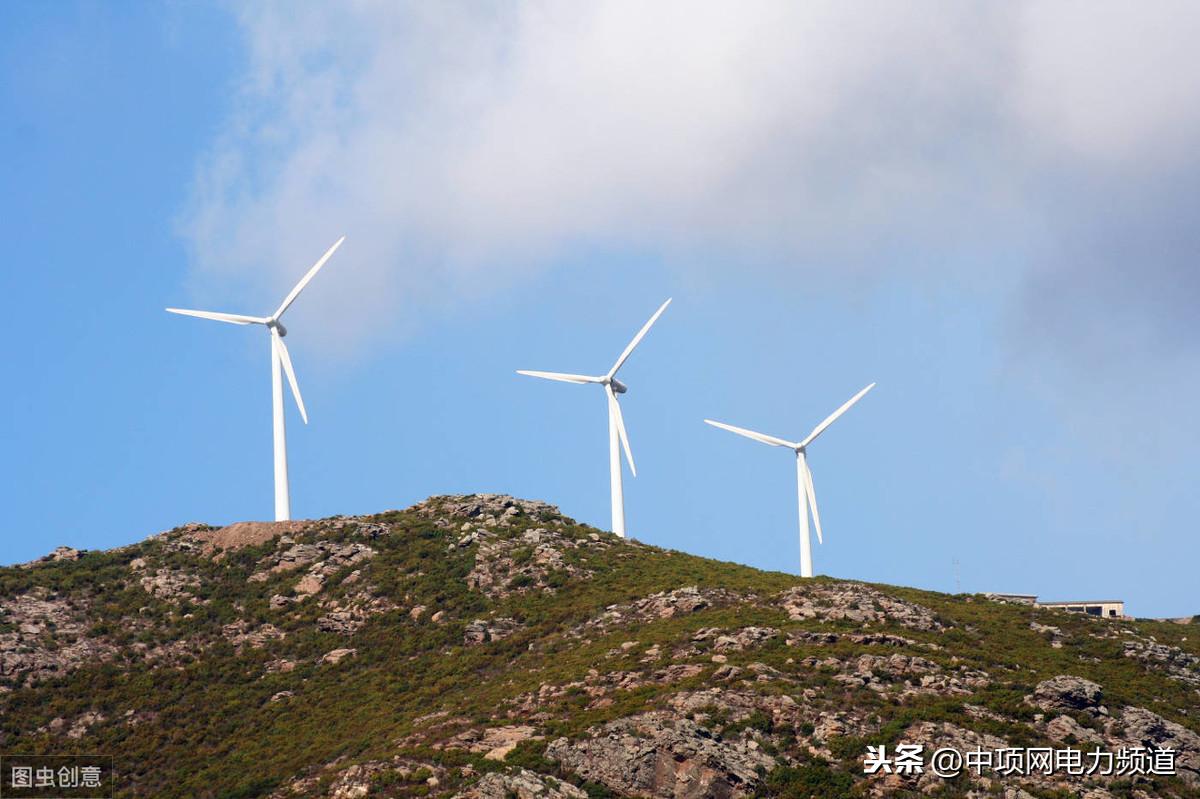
(617, 386)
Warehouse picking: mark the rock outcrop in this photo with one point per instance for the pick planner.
(47, 636)
(855, 603)
(521, 784)
(1141, 727)
(1176, 663)
(1066, 692)
(664, 755)
(661, 605)
(540, 560)
(481, 631)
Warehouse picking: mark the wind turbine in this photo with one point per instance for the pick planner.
(804, 481)
(279, 358)
(616, 424)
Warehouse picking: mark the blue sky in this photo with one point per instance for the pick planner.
(956, 216)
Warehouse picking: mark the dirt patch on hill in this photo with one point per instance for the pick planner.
(244, 534)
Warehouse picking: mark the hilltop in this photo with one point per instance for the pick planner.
(483, 646)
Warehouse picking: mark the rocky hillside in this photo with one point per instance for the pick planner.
(481, 646)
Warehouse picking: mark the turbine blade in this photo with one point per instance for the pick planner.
(291, 374)
(637, 339)
(231, 318)
(614, 408)
(561, 377)
(812, 497)
(741, 431)
(819, 429)
(307, 277)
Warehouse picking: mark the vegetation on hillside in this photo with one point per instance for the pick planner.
(214, 672)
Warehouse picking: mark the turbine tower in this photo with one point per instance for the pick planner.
(804, 482)
(616, 424)
(279, 359)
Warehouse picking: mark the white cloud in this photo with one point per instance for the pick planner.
(1111, 83)
(464, 147)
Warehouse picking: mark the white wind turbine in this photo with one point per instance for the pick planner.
(279, 358)
(616, 424)
(804, 481)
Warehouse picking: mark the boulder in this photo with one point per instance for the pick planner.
(64, 553)
(338, 655)
(1066, 692)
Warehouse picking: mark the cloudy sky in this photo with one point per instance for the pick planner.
(990, 209)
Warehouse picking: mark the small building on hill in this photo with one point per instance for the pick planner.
(1103, 608)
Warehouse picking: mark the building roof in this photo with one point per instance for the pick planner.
(1084, 602)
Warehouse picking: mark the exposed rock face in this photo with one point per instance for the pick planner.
(1065, 729)
(1134, 726)
(783, 711)
(48, 637)
(736, 640)
(170, 584)
(359, 780)
(348, 616)
(310, 584)
(1065, 692)
(327, 558)
(839, 724)
(63, 553)
(896, 664)
(599, 687)
(663, 755)
(338, 655)
(540, 560)
(936, 735)
(854, 602)
(1179, 665)
(280, 666)
(1053, 634)
(802, 637)
(77, 728)
(333, 558)
(486, 509)
(521, 784)
(662, 605)
(1141, 727)
(239, 633)
(913, 674)
(494, 743)
(481, 631)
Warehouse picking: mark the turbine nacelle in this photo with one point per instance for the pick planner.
(280, 361)
(804, 482)
(618, 438)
